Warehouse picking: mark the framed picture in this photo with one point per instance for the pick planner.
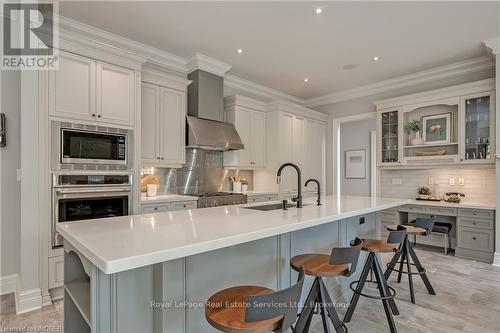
(436, 128)
(355, 164)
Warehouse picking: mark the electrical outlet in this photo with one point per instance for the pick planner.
(461, 181)
(397, 181)
(431, 181)
(452, 181)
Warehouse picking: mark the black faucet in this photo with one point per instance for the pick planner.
(319, 188)
(298, 198)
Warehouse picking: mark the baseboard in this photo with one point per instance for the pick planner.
(496, 259)
(8, 284)
(28, 300)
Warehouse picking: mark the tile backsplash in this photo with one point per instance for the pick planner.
(479, 184)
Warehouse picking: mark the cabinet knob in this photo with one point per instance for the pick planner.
(162, 158)
(98, 116)
(93, 115)
(474, 238)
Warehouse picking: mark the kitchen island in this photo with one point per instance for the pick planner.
(152, 272)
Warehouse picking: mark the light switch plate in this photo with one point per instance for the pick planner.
(397, 181)
(461, 181)
(452, 181)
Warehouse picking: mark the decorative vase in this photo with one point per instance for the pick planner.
(417, 140)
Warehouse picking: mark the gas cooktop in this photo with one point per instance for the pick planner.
(214, 199)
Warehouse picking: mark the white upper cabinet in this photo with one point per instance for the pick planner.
(250, 122)
(150, 100)
(115, 94)
(456, 126)
(72, 87)
(294, 134)
(84, 89)
(163, 121)
(172, 126)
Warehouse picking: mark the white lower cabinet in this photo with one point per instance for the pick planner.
(168, 206)
(163, 125)
(262, 198)
(56, 272)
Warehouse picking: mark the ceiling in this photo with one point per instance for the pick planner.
(285, 42)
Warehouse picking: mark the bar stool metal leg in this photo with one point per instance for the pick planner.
(421, 270)
(408, 267)
(332, 313)
(359, 289)
(384, 293)
(305, 316)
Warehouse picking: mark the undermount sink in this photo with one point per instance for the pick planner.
(273, 206)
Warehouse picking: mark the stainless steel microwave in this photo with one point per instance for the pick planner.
(89, 145)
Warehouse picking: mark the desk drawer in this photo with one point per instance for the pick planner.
(476, 239)
(481, 213)
(155, 208)
(476, 223)
(443, 211)
(412, 209)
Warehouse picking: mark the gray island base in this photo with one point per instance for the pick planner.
(169, 296)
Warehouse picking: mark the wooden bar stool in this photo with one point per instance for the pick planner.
(372, 264)
(423, 227)
(341, 262)
(253, 309)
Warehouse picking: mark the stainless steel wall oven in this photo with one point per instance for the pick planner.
(79, 197)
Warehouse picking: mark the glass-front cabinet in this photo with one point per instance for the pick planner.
(478, 132)
(447, 126)
(388, 137)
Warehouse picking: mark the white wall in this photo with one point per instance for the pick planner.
(365, 105)
(10, 196)
(353, 136)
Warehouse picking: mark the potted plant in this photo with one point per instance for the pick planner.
(415, 126)
(424, 193)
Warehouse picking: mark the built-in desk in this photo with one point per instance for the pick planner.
(473, 231)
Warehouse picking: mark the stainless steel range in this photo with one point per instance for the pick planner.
(214, 199)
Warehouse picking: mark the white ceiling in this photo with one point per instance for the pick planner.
(284, 42)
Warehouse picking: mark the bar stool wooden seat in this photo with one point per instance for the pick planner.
(422, 227)
(254, 309)
(372, 264)
(341, 262)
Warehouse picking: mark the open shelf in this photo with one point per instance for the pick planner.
(79, 291)
(74, 321)
(433, 145)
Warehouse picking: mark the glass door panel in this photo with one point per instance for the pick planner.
(477, 128)
(390, 137)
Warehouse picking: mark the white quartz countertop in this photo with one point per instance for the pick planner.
(122, 243)
(168, 198)
(462, 204)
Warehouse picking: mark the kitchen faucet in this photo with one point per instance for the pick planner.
(319, 188)
(298, 198)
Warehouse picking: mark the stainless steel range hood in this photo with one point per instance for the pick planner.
(205, 126)
(212, 135)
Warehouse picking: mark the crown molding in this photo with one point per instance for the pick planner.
(296, 109)
(152, 55)
(244, 101)
(493, 45)
(236, 82)
(207, 64)
(459, 68)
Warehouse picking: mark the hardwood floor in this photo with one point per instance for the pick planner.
(467, 300)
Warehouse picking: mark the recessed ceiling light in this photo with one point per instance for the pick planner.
(239, 51)
(319, 10)
(376, 58)
(306, 80)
